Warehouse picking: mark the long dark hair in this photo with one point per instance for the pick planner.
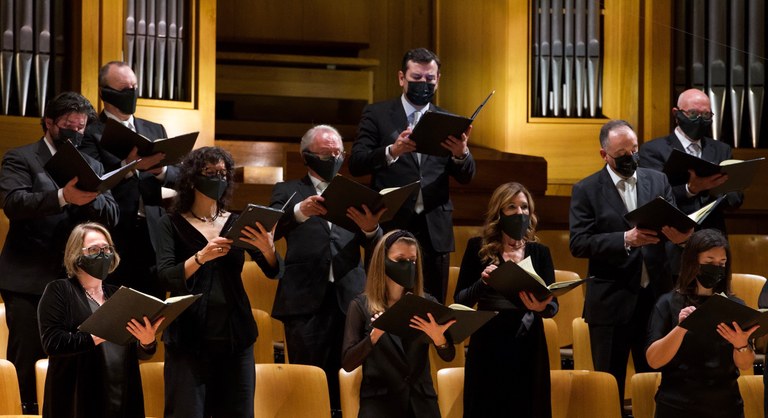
(699, 242)
(194, 163)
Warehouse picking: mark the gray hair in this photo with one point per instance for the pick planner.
(308, 137)
(610, 126)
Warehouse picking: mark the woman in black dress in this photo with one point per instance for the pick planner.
(507, 368)
(396, 380)
(209, 349)
(89, 377)
(699, 371)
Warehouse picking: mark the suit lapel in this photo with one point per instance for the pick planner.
(643, 189)
(611, 194)
(306, 190)
(43, 155)
(708, 150)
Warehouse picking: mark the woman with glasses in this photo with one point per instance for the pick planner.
(396, 379)
(209, 349)
(89, 377)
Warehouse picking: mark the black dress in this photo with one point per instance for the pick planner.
(208, 348)
(701, 379)
(396, 376)
(507, 366)
(83, 380)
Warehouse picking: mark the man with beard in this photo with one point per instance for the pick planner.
(384, 150)
(139, 194)
(41, 215)
(323, 269)
(628, 265)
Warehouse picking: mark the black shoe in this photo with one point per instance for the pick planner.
(335, 413)
(29, 408)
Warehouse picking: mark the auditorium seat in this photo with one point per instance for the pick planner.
(41, 372)
(450, 392)
(261, 292)
(582, 354)
(153, 387)
(10, 398)
(748, 253)
(752, 392)
(584, 394)
(453, 278)
(436, 363)
(3, 333)
(263, 348)
(461, 235)
(349, 390)
(553, 346)
(558, 242)
(291, 390)
(644, 386)
(571, 305)
(747, 287)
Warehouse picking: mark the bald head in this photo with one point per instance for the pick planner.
(694, 99)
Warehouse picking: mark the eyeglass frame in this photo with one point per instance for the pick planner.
(334, 155)
(693, 114)
(104, 249)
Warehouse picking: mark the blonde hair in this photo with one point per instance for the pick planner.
(501, 198)
(376, 284)
(74, 248)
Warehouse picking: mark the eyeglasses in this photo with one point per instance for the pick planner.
(693, 114)
(96, 250)
(327, 157)
(212, 172)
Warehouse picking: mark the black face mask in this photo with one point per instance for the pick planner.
(124, 100)
(420, 93)
(213, 187)
(326, 169)
(627, 164)
(96, 265)
(401, 272)
(68, 134)
(710, 275)
(515, 226)
(694, 129)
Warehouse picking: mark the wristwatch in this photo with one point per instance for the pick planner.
(743, 348)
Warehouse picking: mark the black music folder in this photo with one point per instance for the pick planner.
(120, 140)
(343, 193)
(719, 308)
(397, 318)
(109, 321)
(740, 172)
(68, 163)
(265, 215)
(511, 278)
(434, 127)
(658, 213)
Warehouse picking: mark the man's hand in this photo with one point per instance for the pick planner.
(676, 236)
(457, 147)
(403, 144)
(146, 162)
(312, 206)
(637, 237)
(698, 184)
(366, 220)
(75, 196)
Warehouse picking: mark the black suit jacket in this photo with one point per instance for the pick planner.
(654, 154)
(127, 192)
(39, 227)
(379, 127)
(311, 249)
(597, 232)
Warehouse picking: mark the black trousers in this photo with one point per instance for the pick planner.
(435, 265)
(316, 340)
(611, 344)
(24, 347)
(209, 384)
(138, 263)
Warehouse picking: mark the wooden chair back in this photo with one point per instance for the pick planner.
(747, 287)
(10, 397)
(153, 387)
(450, 392)
(41, 372)
(582, 347)
(571, 306)
(349, 389)
(644, 387)
(453, 279)
(553, 346)
(752, 392)
(261, 293)
(436, 363)
(291, 390)
(583, 394)
(3, 333)
(263, 348)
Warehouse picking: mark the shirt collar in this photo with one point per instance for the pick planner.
(320, 185)
(113, 117)
(49, 144)
(684, 140)
(616, 178)
(410, 108)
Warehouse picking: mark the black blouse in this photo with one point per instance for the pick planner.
(223, 313)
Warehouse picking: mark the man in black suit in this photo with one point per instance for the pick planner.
(323, 269)
(384, 150)
(628, 265)
(139, 194)
(693, 116)
(42, 215)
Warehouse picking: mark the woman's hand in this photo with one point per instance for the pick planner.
(215, 248)
(366, 220)
(144, 332)
(487, 272)
(736, 336)
(532, 304)
(376, 333)
(259, 238)
(684, 313)
(430, 327)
